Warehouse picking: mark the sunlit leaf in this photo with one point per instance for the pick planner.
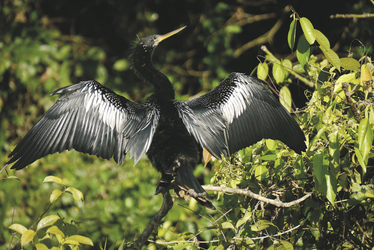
(27, 236)
(285, 98)
(279, 73)
(47, 221)
(77, 195)
(292, 34)
(331, 187)
(18, 228)
(332, 57)
(81, 239)
(262, 71)
(55, 195)
(261, 225)
(308, 30)
(322, 40)
(206, 157)
(365, 140)
(283, 245)
(55, 230)
(227, 225)
(244, 219)
(270, 144)
(53, 179)
(349, 63)
(40, 246)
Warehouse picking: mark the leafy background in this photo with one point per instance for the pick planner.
(45, 45)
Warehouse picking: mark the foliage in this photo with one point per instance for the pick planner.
(39, 56)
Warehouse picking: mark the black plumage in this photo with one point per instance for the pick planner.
(93, 119)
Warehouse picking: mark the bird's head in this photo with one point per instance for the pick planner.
(149, 43)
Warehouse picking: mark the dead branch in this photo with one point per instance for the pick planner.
(276, 202)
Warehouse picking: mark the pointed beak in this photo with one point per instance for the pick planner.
(160, 38)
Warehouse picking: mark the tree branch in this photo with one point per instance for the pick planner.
(167, 204)
(249, 193)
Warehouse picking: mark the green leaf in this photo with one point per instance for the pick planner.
(40, 246)
(53, 179)
(303, 50)
(283, 245)
(319, 171)
(308, 30)
(81, 239)
(233, 29)
(270, 144)
(334, 149)
(332, 186)
(55, 195)
(325, 180)
(55, 230)
(70, 242)
(349, 63)
(322, 40)
(262, 71)
(18, 228)
(279, 72)
(285, 98)
(332, 57)
(261, 225)
(47, 221)
(365, 140)
(121, 65)
(244, 219)
(292, 34)
(27, 236)
(77, 195)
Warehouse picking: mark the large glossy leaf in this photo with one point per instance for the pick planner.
(53, 179)
(55, 195)
(285, 98)
(81, 239)
(262, 71)
(18, 228)
(302, 50)
(279, 73)
(364, 142)
(308, 30)
(47, 221)
(332, 57)
(349, 63)
(292, 34)
(27, 236)
(322, 40)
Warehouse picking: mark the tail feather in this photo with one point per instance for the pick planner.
(187, 186)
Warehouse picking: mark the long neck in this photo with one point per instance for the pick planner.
(144, 69)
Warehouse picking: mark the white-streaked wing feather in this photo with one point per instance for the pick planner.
(238, 113)
(91, 119)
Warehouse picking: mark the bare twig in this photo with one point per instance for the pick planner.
(364, 15)
(167, 204)
(267, 37)
(248, 193)
(348, 94)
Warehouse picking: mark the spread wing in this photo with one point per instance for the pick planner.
(91, 119)
(238, 113)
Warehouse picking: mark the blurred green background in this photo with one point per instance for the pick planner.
(45, 45)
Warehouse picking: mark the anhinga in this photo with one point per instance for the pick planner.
(93, 119)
